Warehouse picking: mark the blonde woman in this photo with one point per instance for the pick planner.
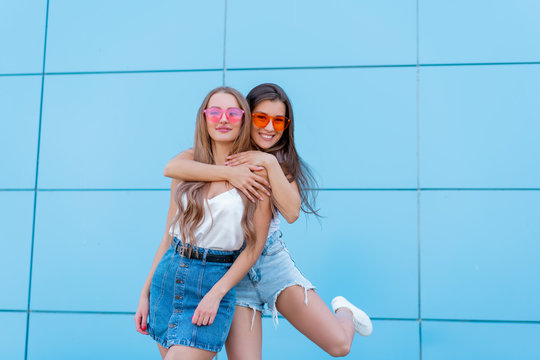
(187, 302)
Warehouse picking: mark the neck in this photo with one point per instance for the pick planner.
(221, 151)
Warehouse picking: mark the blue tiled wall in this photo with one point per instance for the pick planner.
(19, 111)
(420, 119)
(377, 152)
(134, 35)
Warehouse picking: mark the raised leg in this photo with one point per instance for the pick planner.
(333, 333)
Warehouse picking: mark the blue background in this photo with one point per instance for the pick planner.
(420, 119)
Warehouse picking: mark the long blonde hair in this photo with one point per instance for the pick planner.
(191, 211)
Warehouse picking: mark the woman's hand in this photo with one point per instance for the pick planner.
(253, 157)
(251, 184)
(206, 311)
(141, 315)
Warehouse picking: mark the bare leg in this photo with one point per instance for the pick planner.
(162, 351)
(180, 352)
(243, 341)
(332, 333)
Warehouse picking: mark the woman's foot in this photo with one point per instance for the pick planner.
(362, 323)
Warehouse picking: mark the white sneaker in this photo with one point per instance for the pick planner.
(362, 323)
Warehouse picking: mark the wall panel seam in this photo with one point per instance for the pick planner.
(104, 72)
(36, 183)
(418, 188)
(224, 80)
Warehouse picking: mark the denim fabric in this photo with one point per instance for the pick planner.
(178, 285)
(273, 272)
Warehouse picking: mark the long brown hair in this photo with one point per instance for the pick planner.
(284, 150)
(190, 196)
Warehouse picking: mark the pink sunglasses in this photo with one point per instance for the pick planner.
(233, 114)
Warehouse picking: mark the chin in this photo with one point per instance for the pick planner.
(265, 146)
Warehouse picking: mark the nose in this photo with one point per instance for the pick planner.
(223, 118)
(269, 126)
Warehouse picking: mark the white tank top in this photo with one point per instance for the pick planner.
(221, 228)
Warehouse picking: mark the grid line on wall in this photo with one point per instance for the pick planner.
(418, 188)
(273, 68)
(424, 319)
(223, 81)
(21, 74)
(318, 189)
(21, 189)
(484, 63)
(106, 72)
(486, 321)
(36, 184)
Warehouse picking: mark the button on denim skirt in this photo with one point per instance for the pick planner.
(178, 285)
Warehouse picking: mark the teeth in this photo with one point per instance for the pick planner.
(267, 137)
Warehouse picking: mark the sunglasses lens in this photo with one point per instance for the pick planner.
(279, 123)
(213, 114)
(259, 120)
(235, 114)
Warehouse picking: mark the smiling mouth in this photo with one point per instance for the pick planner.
(223, 129)
(266, 136)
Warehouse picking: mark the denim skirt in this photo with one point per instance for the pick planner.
(178, 285)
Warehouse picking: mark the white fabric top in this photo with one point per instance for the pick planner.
(221, 228)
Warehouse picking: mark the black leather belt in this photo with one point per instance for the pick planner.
(227, 259)
(198, 255)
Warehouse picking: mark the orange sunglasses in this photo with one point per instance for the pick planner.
(261, 119)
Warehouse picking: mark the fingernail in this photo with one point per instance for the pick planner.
(144, 327)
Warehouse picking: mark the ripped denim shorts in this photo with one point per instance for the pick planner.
(273, 272)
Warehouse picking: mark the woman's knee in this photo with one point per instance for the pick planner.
(340, 350)
(339, 347)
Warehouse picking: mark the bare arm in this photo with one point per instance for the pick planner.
(142, 310)
(207, 308)
(285, 193)
(183, 167)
